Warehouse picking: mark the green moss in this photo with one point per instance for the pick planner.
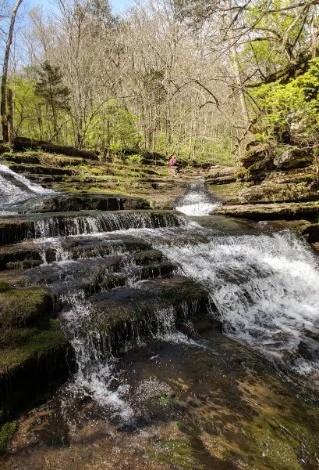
(4, 287)
(269, 438)
(23, 344)
(22, 306)
(25, 264)
(176, 452)
(6, 432)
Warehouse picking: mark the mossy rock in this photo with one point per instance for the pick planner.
(289, 157)
(270, 191)
(32, 361)
(21, 345)
(19, 307)
(287, 211)
(14, 258)
(255, 153)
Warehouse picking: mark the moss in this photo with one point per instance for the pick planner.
(24, 344)
(7, 431)
(23, 306)
(4, 287)
(25, 264)
(176, 452)
(280, 441)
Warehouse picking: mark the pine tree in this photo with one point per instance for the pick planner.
(50, 88)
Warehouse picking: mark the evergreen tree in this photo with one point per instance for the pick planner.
(49, 86)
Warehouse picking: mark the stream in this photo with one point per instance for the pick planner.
(115, 276)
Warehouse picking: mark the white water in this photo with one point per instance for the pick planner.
(266, 292)
(97, 224)
(96, 373)
(265, 289)
(197, 201)
(11, 193)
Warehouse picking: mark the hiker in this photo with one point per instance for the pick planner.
(173, 165)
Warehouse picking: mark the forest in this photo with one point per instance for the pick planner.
(197, 78)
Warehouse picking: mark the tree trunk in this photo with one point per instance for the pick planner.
(4, 79)
(10, 117)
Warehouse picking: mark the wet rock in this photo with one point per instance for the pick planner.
(125, 315)
(68, 203)
(33, 348)
(13, 231)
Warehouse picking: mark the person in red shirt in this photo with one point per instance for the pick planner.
(173, 165)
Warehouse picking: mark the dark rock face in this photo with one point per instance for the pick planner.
(68, 203)
(278, 174)
(312, 232)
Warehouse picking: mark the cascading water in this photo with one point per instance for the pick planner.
(96, 372)
(197, 201)
(16, 188)
(105, 222)
(263, 287)
(265, 292)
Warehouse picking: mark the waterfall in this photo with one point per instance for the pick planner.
(265, 292)
(96, 374)
(262, 288)
(16, 188)
(197, 201)
(105, 222)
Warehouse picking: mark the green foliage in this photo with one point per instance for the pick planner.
(291, 107)
(276, 35)
(197, 150)
(113, 127)
(135, 159)
(41, 101)
(27, 104)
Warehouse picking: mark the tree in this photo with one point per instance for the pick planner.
(50, 88)
(5, 118)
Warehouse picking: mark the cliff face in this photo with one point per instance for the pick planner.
(282, 173)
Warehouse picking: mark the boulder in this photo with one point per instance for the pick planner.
(293, 157)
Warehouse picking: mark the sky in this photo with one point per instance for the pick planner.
(118, 6)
